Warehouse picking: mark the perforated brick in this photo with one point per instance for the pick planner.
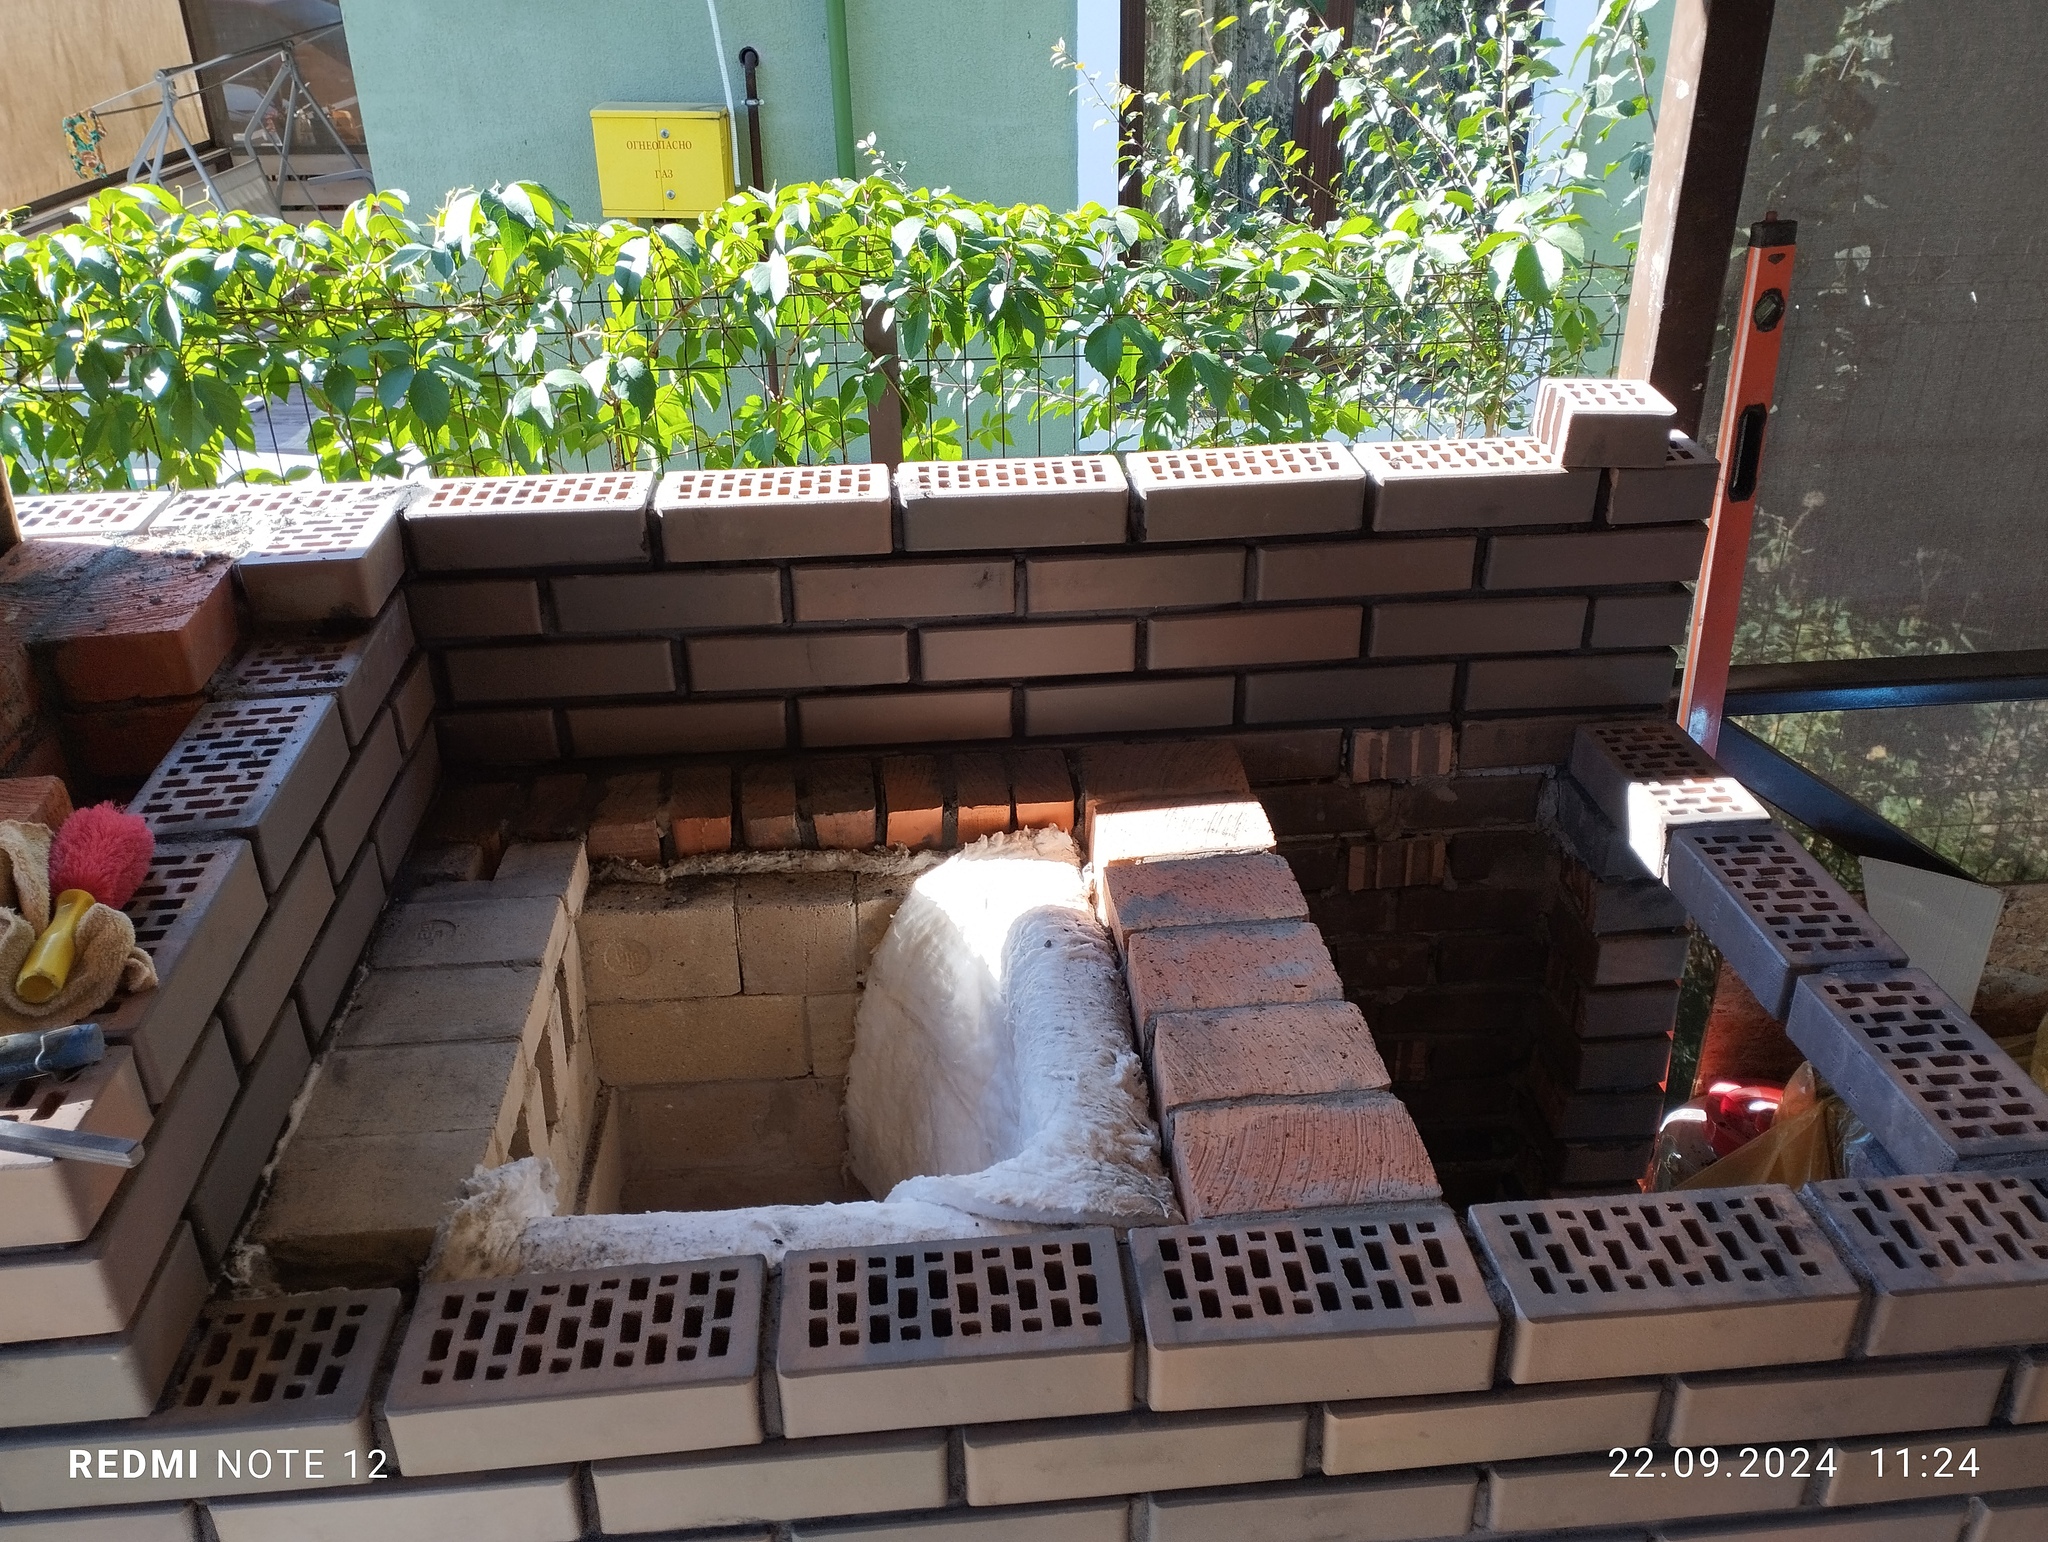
(1381, 1302)
(358, 671)
(1952, 1262)
(1771, 909)
(1246, 490)
(775, 511)
(974, 1332)
(44, 1201)
(1649, 778)
(1446, 484)
(88, 516)
(1016, 503)
(309, 553)
(1594, 422)
(194, 912)
(1935, 1089)
(571, 1367)
(574, 519)
(1682, 489)
(261, 770)
(1706, 1280)
(287, 1371)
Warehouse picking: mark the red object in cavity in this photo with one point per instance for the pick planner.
(1737, 1114)
(102, 850)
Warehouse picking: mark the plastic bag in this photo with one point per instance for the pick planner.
(1698, 1135)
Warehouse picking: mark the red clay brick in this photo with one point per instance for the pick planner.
(841, 794)
(1477, 626)
(1318, 695)
(1260, 1157)
(1018, 652)
(154, 626)
(554, 809)
(126, 742)
(1348, 568)
(1159, 775)
(916, 801)
(1199, 891)
(1042, 789)
(1134, 707)
(41, 755)
(1668, 554)
(1202, 968)
(492, 607)
(1401, 754)
(1291, 755)
(35, 800)
(1263, 1052)
(1396, 864)
(981, 796)
(768, 807)
(700, 810)
(1180, 830)
(1526, 741)
(1137, 582)
(913, 717)
(628, 820)
(1253, 637)
(801, 661)
(904, 591)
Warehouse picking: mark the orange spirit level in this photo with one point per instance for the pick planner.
(1745, 413)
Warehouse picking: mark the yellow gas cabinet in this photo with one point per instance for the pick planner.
(656, 161)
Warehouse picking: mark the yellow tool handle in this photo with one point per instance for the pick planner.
(49, 962)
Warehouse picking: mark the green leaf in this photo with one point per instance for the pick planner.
(428, 395)
(1104, 349)
(393, 385)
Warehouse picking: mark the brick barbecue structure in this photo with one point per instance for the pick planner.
(457, 786)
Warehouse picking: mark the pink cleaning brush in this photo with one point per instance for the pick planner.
(100, 854)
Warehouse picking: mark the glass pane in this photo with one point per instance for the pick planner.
(1969, 782)
(1901, 507)
(247, 28)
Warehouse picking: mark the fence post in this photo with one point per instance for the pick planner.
(885, 415)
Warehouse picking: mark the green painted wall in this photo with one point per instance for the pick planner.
(463, 93)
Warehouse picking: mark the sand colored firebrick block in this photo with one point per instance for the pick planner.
(789, 1480)
(667, 944)
(1199, 891)
(1201, 968)
(1263, 1052)
(1248, 1159)
(796, 933)
(715, 1038)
